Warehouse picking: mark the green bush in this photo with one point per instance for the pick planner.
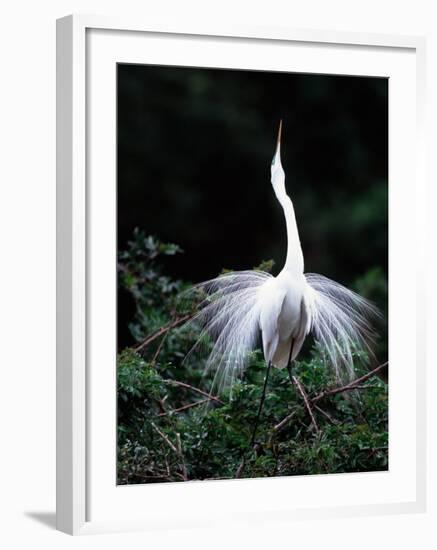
(170, 430)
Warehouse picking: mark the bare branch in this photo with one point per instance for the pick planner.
(306, 401)
(240, 468)
(284, 421)
(161, 331)
(159, 348)
(181, 454)
(193, 388)
(354, 385)
(326, 415)
(165, 438)
(185, 407)
(177, 450)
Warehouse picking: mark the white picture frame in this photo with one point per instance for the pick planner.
(87, 48)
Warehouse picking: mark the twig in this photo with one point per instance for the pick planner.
(189, 387)
(177, 450)
(242, 465)
(161, 404)
(240, 468)
(281, 425)
(165, 438)
(306, 401)
(184, 407)
(181, 454)
(284, 421)
(159, 348)
(363, 386)
(161, 407)
(354, 385)
(161, 331)
(326, 415)
(374, 450)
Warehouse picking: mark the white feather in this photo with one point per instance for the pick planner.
(228, 318)
(340, 323)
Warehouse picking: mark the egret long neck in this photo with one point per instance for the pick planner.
(294, 262)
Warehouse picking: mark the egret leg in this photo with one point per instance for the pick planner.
(290, 374)
(289, 364)
(261, 403)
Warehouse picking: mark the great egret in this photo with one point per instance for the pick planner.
(239, 306)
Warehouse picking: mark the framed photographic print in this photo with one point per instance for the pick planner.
(235, 207)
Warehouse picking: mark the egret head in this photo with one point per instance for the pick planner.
(277, 172)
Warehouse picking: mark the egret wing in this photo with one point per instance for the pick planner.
(340, 322)
(228, 322)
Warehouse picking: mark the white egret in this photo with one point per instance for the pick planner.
(240, 306)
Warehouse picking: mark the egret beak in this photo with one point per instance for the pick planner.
(277, 156)
(278, 142)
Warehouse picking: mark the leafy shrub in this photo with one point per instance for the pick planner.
(169, 429)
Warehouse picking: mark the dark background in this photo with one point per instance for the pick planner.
(194, 153)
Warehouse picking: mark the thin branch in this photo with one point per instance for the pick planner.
(161, 406)
(159, 348)
(284, 421)
(184, 407)
(374, 450)
(242, 465)
(193, 388)
(240, 468)
(165, 438)
(354, 385)
(327, 415)
(306, 401)
(363, 386)
(161, 331)
(181, 454)
(177, 450)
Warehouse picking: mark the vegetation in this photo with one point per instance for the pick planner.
(171, 429)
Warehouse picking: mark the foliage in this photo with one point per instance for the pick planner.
(141, 276)
(168, 429)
